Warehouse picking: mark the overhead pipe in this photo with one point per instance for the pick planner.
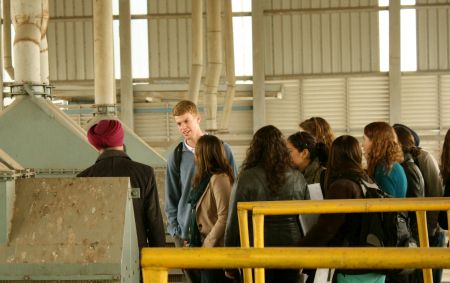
(27, 17)
(229, 65)
(7, 58)
(44, 45)
(103, 53)
(214, 38)
(197, 50)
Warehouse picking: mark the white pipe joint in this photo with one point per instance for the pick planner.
(27, 18)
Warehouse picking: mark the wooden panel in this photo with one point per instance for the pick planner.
(89, 42)
(70, 40)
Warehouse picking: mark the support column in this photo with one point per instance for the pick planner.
(126, 77)
(229, 65)
(103, 53)
(259, 106)
(197, 50)
(395, 75)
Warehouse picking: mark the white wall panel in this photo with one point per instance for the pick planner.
(420, 102)
(433, 41)
(311, 41)
(445, 101)
(325, 98)
(284, 113)
(368, 101)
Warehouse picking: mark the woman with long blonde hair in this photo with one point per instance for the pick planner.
(384, 155)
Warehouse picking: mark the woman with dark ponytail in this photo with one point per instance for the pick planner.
(308, 156)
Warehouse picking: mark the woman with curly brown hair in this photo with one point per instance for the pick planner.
(320, 129)
(384, 155)
(266, 175)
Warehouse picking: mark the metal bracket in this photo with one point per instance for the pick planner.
(134, 193)
(106, 110)
(31, 89)
(17, 174)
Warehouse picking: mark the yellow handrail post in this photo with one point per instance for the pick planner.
(423, 239)
(245, 239)
(155, 275)
(258, 242)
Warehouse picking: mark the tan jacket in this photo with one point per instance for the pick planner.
(212, 211)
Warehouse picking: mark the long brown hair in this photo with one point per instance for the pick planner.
(385, 149)
(320, 129)
(445, 158)
(268, 149)
(210, 158)
(345, 160)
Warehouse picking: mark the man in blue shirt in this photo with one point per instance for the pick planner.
(179, 176)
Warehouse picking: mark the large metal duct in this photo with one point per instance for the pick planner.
(229, 65)
(214, 38)
(197, 50)
(27, 17)
(103, 53)
(66, 229)
(7, 58)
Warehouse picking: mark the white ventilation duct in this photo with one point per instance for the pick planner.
(197, 50)
(229, 65)
(27, 17)
(214, 38)
(103, 53)
(7, 58)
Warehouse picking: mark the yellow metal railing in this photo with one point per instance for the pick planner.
(156, 262)
(260, 209)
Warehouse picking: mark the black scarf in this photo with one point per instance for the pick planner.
(195, 239)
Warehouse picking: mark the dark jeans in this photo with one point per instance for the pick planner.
(437, 240)
(214, 276)
(192, 275)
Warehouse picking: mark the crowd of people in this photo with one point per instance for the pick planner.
(203, 186)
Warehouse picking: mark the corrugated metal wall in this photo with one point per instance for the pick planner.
(433, 40)
(309, 41)
(70, 41)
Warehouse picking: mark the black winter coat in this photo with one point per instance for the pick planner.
(416, 184)
(147, 213)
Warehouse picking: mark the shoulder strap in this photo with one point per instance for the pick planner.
(177, 153)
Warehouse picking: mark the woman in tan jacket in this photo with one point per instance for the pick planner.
(209, 200)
